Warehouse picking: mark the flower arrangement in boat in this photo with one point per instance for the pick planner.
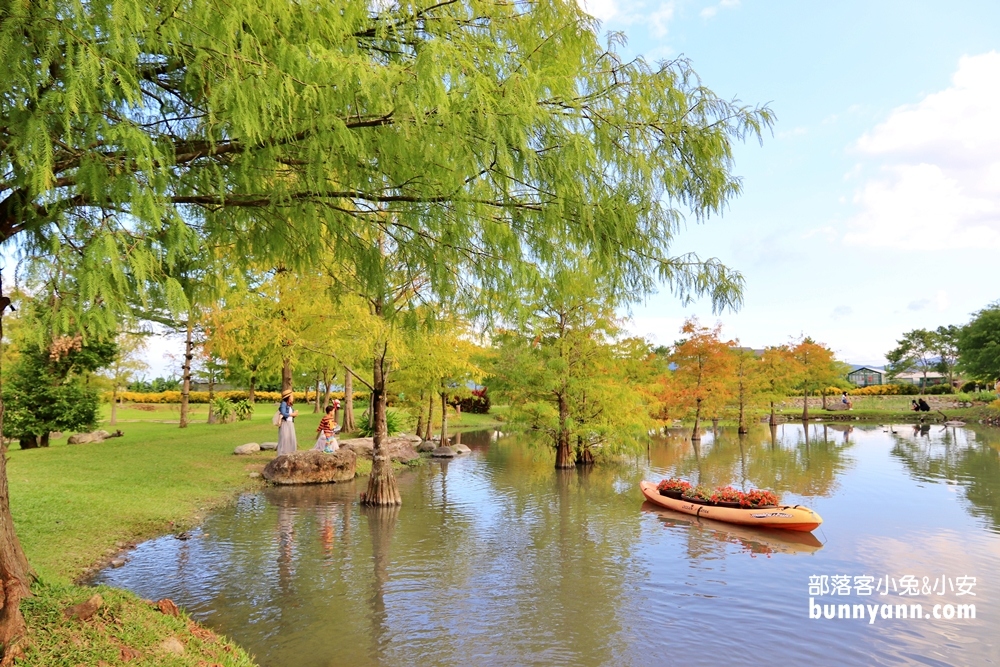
(699, 492)
(758, 498)
(678, 488)
(673, 486)
(727, 494)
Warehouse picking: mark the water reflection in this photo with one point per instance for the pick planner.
(496, 558)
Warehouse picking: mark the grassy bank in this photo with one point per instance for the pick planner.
(76, 506)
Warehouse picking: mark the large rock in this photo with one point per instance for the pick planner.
(400, 448)
(268, 446)
(444, 452)
(415, 439)
(461, 449)
(311, 467)
(426, 446)
(249, 448)
(831, 405)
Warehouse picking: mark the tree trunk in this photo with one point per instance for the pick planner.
(382, 487)
(773, 420)
(742, 429)
(327, 385)
(43, 439)
(15, 573)
(316, 404)
(211, 396)
(188, 356)
(805, 406)
(429, 429)
(563, 453)
(286, 374)
(824, 400)
(444, 416)
(28, 441)
(584, 457)
(114, 405)
(695, 433)
(348, 401)
(420, 416)
(252, 394)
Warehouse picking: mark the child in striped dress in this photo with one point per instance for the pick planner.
(326, 432)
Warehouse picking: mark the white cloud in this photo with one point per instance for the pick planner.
(938, 182)
(605, 10)
(841, 312)
(660, 19)
(711, 11)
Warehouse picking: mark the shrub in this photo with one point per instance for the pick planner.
(243, 409)
(222, 408)
(886, 390)
(233, 396)
(395, 422)
(941, 389)
(970, 387)
(477, 404)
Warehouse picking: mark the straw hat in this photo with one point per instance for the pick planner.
(286, 393)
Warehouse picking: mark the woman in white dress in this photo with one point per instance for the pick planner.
(287, 442)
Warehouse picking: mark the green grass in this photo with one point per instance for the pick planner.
(124, 631)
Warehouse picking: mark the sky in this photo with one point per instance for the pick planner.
(874, 208)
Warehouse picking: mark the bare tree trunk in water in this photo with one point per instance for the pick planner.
(805, 405)
(430, 418)
(382, 487)
(420, 416)
(444, 415)
(742, 429)
(773, 420)
(348, 401)
(316, 404)
(695, 434)
(563, 453)
(15, 573)
(584, 457)
(824, 400)
(286, 374)
(188, 356)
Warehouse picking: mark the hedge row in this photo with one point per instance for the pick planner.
(202, 396)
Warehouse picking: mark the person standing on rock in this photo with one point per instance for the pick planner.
(287, 442)
(327, 439)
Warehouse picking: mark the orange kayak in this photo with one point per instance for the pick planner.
(785, 517)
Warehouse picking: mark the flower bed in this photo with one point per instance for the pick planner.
(723, 496)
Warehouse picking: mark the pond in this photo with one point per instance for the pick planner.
(498, 559)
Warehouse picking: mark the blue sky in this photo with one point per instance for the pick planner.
(875, 207)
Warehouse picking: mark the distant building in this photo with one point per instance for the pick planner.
(917, 378)
(866, 376)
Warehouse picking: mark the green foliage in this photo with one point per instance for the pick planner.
(979, 345)
(939, 389)
(396, 422)
(243, 409)
(222, 408)
(46, 390)
(915, 351)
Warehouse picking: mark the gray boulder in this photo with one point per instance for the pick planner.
(268, 446)
(426, 446)
(311, 467)
(444, 452)
(400, 448)
(461, 449)
(249, 448)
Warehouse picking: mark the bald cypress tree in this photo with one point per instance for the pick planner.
(480, 137)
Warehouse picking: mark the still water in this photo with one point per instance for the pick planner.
(498, 559)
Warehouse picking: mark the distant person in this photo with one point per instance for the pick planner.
(287, 443)
(846, 401)
(326, 432)
(924, 407)
(914, 406)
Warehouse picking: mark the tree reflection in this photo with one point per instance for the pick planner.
(965, 456)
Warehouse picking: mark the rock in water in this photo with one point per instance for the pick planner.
(444, 452)
(84, 610)
(426, 446)
(461, 449)
(265, 446)
(311, 467)
(249, 448)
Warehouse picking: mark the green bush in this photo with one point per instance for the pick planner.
(395, 421)
(941, 389)
(243, 410)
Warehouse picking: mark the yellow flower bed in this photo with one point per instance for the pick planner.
(202, 396)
